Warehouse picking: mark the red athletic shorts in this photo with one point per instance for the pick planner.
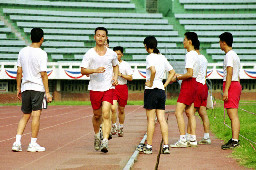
(121, 94)
(201, 95)
(234, 93)
(97, 97)
(188, 91)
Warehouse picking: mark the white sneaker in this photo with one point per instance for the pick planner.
(205, 141)
(16, 147)
(35, 148)
(179, 144)
(192, 143)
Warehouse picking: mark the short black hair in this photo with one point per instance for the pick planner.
(101, 28)
(151, 42)
(118, 48)
(36, 34)
(193, 37)
(227, 37)
(197, 45)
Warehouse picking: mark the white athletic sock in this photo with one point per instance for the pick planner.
(149, 146)
(192, 137)
(188, 137)
(206, 136)
(33, 141)
(18, 138)
(235, 140)
(183, 138)
(121, 125)
(165, 146)
(105, 140)
(114, 125)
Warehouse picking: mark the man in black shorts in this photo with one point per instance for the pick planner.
(32, 65)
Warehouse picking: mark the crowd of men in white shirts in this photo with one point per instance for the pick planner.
(109, 92)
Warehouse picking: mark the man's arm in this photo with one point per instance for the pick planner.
(169, 78)
(18, 79)
(46, 87)
(152, 76)
(115, 70)
(127, 77)
(228, 82)
(87, 71)
(187, 75)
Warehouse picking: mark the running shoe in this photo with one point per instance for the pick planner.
(35, 148)
(205, 141)
(140, 147)
(230, 145)
(192, 143)
(114, 130)
(166, 150)
(16, 147)
(97, 143)
(104, 146)
(147, 150)
(179, 144)
(120, 132)
(101, 133)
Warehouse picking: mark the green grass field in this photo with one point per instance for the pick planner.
(245, 153)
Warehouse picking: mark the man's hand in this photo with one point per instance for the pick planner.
(225, 96)
(100, 70)
(114, 82)
(149, 84)
(19, 94)
(48, 97)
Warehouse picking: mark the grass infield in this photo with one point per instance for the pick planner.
(246, 152)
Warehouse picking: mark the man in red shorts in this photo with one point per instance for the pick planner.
(120, 92)
(231, 87)
(187, 91)
(201, 98)
(100, 63)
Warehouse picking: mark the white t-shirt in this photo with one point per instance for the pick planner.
(231, 59)
(125, 69)
(33, 61)
(202, 69)
(191, 61)
(161, 65)
(91, 60)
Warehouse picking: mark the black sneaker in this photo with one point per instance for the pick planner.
(230, 145)
(166, 150)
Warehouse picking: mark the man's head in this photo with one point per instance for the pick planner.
(190, 39)
(119, 51)
(37, 35)
(226, 39)
(101, 35)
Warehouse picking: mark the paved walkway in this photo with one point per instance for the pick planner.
(66, 132)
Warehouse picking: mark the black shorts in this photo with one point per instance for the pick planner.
(31, 101)
(154, 99)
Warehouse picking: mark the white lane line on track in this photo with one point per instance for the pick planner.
(50, 127)
(55, 150)
(134, 110)
(45, 117)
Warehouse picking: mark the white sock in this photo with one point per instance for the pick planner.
(165, 146)
(183, 138)
(33, 141)
(149, 146)
(105, 140)
(18, 138)
(235, 140)
(114, 125)
(121, 125)
(192, 137)
(206, 136)
(188, 137)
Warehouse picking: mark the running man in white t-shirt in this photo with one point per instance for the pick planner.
(120, 93)
(154, 95)
(201, 98)
(188, 92)
(100, 63)
(231, 87)
(32, 65)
